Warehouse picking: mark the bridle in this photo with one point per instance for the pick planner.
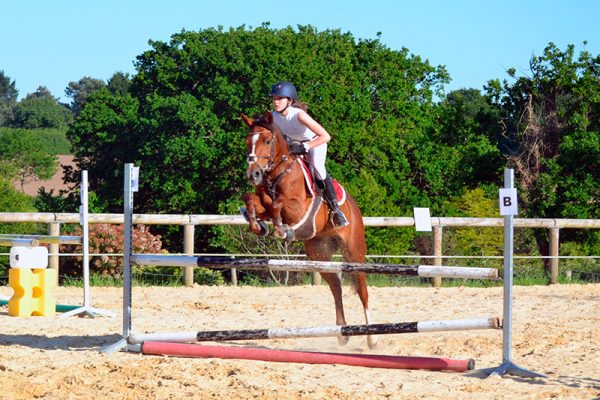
(272, 164)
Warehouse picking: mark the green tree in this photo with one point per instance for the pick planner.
(23, 156)
(552, 118)
(8, 98)
(119, 83)
(179, 120)
(468, 126)
(79, 91)
(40, 110)
(478, 241)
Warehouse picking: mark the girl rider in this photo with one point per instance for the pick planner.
(306, 136)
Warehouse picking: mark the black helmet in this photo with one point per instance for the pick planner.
(284, 89)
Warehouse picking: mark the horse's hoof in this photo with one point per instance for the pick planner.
(372, 341)
(289, 235)
(279, 234)
(343, 340)
(244, 213)
(264, 229)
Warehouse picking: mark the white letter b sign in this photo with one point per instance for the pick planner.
(508, 202)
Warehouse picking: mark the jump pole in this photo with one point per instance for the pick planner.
(46, 239)
(312, 266)
(288, 356)
(19, 241)
(321, 331)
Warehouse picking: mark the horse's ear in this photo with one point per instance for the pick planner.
(247, 120)
(269, 117)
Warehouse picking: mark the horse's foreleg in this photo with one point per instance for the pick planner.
(254, 207)
(279, 231)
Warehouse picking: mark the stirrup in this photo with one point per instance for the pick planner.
(338, 219)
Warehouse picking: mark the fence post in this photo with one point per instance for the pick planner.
(53, 248)
(188, 248)
(437, 252)
(554, 238)
(315, 278)
(234, 281)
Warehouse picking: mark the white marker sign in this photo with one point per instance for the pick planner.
(422, 219)
(508, 202)
(135, 179)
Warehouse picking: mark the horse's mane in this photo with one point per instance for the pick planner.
(261, 120)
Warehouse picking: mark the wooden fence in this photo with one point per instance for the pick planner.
(189, 222)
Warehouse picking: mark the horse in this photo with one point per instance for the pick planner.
(282, 196)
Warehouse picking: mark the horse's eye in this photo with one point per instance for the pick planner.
(267, 142)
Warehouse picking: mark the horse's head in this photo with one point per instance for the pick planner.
(265, 147)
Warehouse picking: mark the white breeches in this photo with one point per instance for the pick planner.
(317, 156)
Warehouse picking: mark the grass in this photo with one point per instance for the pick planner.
(98, 280)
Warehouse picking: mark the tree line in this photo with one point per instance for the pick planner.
(399, 141)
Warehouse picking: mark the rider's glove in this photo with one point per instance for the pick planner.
(298, 148)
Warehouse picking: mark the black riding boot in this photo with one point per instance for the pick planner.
(337, 217)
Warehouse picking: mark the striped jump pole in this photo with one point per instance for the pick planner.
(311, 266)
(323, 331)
(16, 241)
(288, 356)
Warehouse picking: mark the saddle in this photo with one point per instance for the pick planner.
(311, 187)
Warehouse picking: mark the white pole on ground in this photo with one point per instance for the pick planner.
(508, 208)
(84, 217)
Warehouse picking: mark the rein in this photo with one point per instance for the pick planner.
(272, 183)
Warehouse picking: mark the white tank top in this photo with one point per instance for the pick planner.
(291, 127)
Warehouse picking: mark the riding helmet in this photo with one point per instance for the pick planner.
(284, 89)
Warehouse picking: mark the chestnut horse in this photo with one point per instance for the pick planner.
(281, 196)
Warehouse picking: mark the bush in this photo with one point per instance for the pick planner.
(577, 264)
(108, 239)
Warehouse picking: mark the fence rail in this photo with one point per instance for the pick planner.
(189, 221)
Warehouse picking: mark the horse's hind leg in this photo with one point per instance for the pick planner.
(360, 281)
(356, 252)
(335, 284)
(322, 250)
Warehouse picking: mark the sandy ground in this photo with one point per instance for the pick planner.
(556, 332)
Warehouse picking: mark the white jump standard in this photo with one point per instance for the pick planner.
(164, 343)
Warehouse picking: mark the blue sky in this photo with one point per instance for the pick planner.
(52, 43)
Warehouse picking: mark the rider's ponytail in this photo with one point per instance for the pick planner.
(299, 104)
